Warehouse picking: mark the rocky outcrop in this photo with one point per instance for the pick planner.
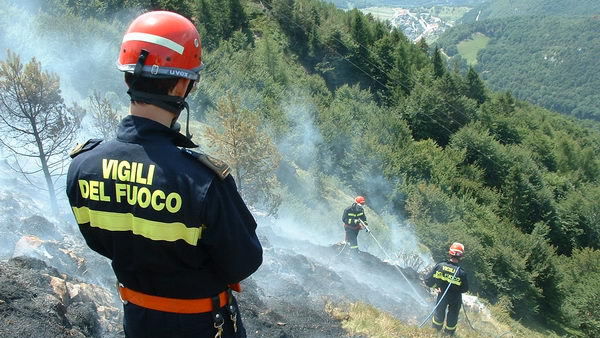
(53, 285)
(38, 301)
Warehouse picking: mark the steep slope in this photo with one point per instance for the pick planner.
(494, 9)
(286, 297)
(550, 61)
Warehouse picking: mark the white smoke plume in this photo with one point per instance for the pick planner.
(83, 54)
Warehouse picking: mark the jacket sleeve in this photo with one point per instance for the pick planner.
(90, 234)
(464, 287)
(230, 235)
(345, 216)
(429, 280)
(364, 216)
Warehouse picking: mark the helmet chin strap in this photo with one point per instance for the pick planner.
(176, 126)
(170, 103)
(187, 109)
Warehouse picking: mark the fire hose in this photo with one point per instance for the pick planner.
(439, 301)
(390, 259)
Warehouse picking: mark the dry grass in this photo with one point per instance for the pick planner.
(366, 320)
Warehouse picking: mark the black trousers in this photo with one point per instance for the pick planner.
(352, 237)
(451, 303)
(140, 322)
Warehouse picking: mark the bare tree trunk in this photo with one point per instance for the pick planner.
(46, 170)
(35, 123)
(50, 184)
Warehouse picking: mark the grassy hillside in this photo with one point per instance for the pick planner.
(468, 49)
(365, 320)
(354, 107)
(550, 61)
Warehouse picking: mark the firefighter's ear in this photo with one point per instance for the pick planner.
(180, 88)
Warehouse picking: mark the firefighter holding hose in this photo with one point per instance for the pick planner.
(451, 282)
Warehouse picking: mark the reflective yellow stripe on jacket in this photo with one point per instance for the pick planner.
(448, 278)
(158, 231)
(355, 217)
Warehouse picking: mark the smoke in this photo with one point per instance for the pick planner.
(83, 51)
(313, 205)
(300, 144)
(305, 212)
(309, 222)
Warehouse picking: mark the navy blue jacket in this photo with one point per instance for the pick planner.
(353, 215)
(170, 225)
(445, 273)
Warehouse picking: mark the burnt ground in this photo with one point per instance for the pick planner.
(286, 297)
(38, 301)
(59, 288)
(286, 318)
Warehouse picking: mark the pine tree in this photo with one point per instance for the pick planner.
(360, 32)
(475, 87)
(105, 117)
(401, 73)
(237, 139)
(237, 18)
(34, 121)
(423, 46)
(206, 25)
(438, 63)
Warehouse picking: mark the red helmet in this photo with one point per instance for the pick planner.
(172, 44)
(456, 250)
(359, 200)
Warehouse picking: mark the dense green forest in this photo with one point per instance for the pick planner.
(403, 3)
(550, 61)
(495, 9)
(517, 184)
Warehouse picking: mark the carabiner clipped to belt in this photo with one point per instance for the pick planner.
(217, 317)
(119, 287)
(232, 310)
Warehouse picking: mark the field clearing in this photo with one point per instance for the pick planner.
(383, 13)
(468, 49)
(448, 13)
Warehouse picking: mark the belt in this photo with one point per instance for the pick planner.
(175, 305)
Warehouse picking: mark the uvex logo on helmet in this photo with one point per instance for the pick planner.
(172, 43)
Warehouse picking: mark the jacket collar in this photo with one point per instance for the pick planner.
(135, 129)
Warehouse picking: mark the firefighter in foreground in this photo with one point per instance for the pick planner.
(446, 274)
(354, 220)
(171, 220)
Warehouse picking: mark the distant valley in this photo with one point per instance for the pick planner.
(417, 19)
(509, 45)
(419, 22)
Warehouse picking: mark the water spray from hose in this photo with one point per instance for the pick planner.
(390, 259)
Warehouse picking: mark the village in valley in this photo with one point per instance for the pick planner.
(419, 22)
